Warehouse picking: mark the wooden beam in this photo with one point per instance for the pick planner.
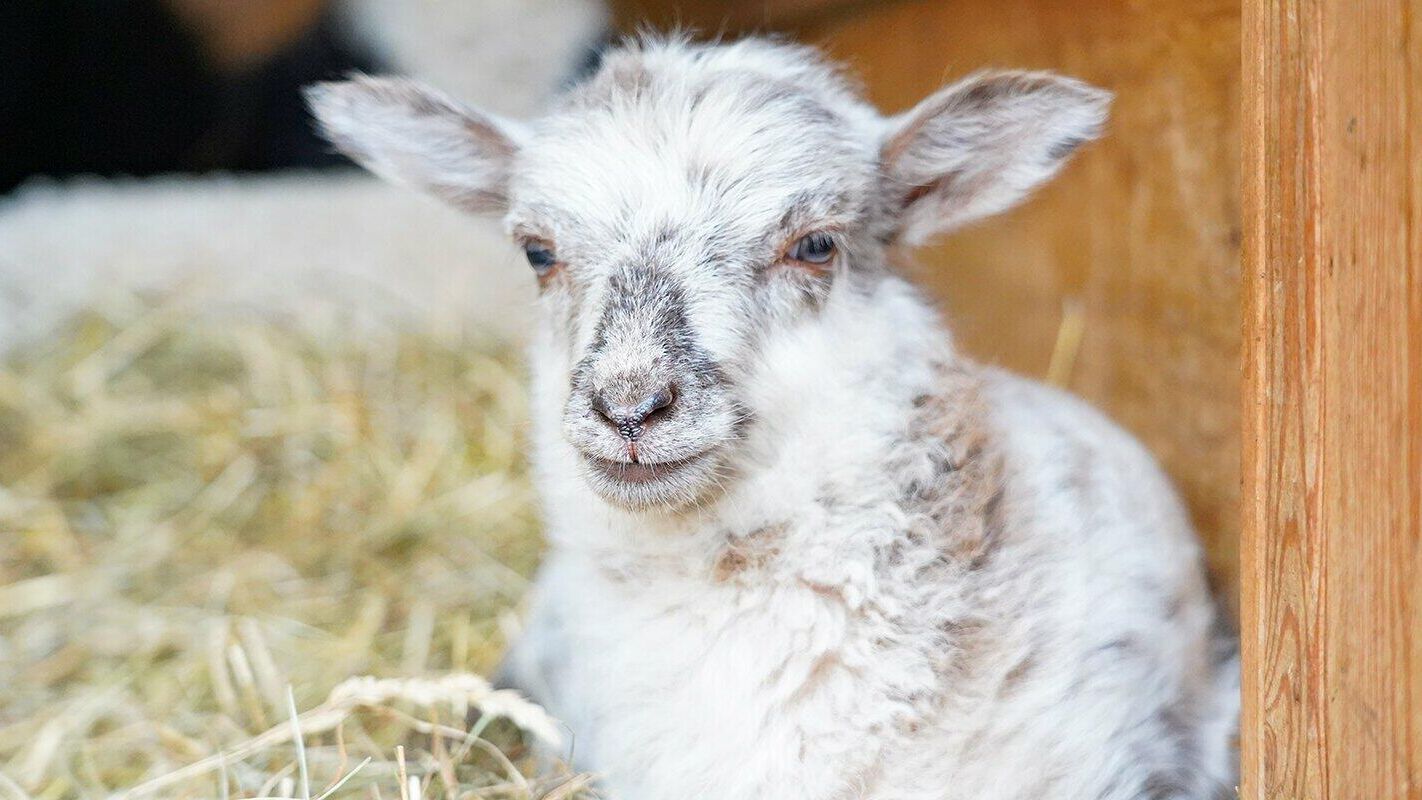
(1332, 540)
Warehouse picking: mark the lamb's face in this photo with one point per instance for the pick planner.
(672, 229)
(689, 202)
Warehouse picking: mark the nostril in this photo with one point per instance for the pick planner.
(629, 419)
(662, 398)
(601, 406)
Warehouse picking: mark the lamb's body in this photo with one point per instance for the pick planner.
(802, 549)
(815, 633)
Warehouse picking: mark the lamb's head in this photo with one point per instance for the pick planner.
(689, 202)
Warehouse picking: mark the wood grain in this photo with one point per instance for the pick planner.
(1332, 541)
(1141, 233)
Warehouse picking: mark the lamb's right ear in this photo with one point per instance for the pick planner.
(419, 137)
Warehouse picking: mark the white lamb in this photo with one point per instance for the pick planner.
(801, 548)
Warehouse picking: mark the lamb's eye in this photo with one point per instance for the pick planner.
(540, 256)
(816, 248)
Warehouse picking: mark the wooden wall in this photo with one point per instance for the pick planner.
(1332, 605)
(1135, 247)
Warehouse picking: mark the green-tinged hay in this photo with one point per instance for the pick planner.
(198, 512)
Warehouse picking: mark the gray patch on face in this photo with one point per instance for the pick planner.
(643, 345)
(653, 301)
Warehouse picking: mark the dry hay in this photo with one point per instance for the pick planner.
(197, 513)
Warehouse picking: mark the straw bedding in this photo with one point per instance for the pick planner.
(200, 514)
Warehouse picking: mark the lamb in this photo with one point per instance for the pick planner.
(801, 547)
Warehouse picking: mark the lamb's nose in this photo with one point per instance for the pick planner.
(630, 419)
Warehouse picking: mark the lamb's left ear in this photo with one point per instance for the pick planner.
(981, 145)
(419, 137)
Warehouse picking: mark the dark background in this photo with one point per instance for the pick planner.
(143, 87)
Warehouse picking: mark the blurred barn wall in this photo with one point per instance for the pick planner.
(1136, 247)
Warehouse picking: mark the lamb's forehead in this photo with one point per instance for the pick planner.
(671, 63)
(687, 129)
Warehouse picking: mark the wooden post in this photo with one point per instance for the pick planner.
(1332, 540)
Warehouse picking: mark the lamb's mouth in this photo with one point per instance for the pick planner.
(641, 473)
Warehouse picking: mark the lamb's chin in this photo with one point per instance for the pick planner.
(665, 486)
